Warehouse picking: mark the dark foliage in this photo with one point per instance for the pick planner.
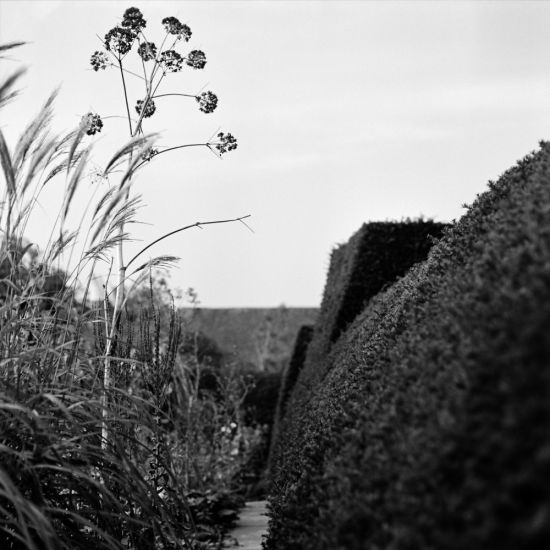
(305, 334)
(290, 376)
(381, 252)
(261, 400)
(374, 257)
(430, 430)
(214, 513)
(260, 404)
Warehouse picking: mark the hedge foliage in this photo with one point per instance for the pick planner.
(290, 375)
(292, 370)
(374, 257)
(431, 428)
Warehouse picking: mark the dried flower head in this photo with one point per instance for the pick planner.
(171, 61)
(149, 153)
(208, 101)
(99, 60)
(133, 19)
(92, 123)
(226, 142)
(150, 108)
(172, 25)
(119, 40)
(147, 51)
(196, 59)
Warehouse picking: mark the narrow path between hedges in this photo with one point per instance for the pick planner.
(250, 528)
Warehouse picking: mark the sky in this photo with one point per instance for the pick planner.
(345, 112)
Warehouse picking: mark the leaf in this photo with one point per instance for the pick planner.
(10, 46)
(35, 131)
(7, 166)
(5, 88)
(73, 183)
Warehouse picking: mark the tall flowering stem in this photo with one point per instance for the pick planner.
(118, 44)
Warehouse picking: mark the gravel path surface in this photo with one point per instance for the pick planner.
(250, 528)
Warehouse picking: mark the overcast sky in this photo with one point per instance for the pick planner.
(345, 112)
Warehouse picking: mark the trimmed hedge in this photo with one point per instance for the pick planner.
(303, 338)
(290, 375)
(431, 428)
(374, 257)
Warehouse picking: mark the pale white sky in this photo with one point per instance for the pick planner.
(345, 112)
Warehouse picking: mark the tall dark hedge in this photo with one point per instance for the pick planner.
(374, 257)
(290, 375)
(383, 252)
(303, 338)
(431, 430)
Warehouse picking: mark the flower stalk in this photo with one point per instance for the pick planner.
(118, 43)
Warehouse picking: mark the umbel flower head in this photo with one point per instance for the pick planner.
(119, 40)
(133, 19)
(171, 60)
(149, 109)
(208, 101)
(147, 51)
(196, 59)
(173, 26)
(226, 143)
(99, 60)
(92, 123)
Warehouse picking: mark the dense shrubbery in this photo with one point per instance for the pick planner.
(106, 439)
(430, 430)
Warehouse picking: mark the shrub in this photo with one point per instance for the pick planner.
(374, 257)
(290, 375)
(292, 371)
(430, 429)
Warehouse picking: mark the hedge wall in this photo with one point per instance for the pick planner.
(374, 257)
(303, 338)
(431, 429)
(290, 375)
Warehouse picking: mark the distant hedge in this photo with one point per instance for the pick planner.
(294, 366)
(260, 401)
(290, 375)
(431, 429)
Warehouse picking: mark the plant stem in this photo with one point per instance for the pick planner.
(196, 224)
(125, 95)
(164, 95)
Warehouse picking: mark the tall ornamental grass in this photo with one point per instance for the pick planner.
(102, 438)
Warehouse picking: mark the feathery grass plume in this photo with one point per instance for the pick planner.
(7, 165)
(122, 155)
(73, 183)
(35, 133)
(39, 161)
(159, 262)
(6, 92)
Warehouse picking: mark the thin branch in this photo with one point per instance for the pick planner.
(127, 71)
(172, 149)
(117, 116)
(164, 95)
(196, 224)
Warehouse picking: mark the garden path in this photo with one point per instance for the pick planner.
(250, 528)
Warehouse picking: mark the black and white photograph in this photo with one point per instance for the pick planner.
(274, 274)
